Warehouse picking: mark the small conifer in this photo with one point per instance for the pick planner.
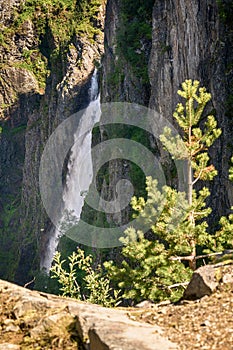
(156, 268)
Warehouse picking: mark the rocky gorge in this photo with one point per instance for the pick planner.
(139, 53)
(143, 52)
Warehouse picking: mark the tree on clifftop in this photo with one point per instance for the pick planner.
(156, 269)
(197, 141)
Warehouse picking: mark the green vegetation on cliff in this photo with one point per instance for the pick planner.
(37, 41)
(135, 34)
(225, 10)
(59, 19)
(64, 17)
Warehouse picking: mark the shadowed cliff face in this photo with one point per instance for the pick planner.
(193, 41)
(120, 81)
(124, 78)
(189, 41)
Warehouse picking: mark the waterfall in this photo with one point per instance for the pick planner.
(75, 188)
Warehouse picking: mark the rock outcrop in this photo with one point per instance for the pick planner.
(206, 279)
(30, 319)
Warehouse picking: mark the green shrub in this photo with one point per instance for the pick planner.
(96, 286)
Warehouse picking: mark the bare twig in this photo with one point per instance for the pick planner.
(197, 177)
(223, 263)
(182, 284)
(27, 284)
(191, 257)
(180, 258)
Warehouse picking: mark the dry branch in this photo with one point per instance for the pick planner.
(191, 257)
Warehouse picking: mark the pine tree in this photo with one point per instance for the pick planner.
(156, 268)
(197, 142)
(147, 271)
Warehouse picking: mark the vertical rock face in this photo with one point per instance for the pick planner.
(124, 82)
(185, 41)
(189, 41)
(192, 41)
(119, 81)
(44, 79)
(19, 90)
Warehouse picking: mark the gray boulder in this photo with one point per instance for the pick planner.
(207, 278)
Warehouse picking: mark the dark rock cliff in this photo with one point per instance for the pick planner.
(194, 41)
(124, 78)
(188, 41)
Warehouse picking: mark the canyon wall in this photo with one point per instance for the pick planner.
(194, 41)
(188, 41)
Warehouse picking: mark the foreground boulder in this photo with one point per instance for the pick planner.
(34, 320)
(207, 278)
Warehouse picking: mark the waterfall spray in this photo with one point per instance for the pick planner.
(75, 189)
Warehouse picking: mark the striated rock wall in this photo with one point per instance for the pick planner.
(122, 81)
(192, 41)
(189, 41)
(119, 82)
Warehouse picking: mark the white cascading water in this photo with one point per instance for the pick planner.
(76, 189)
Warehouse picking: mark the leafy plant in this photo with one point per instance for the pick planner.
(96, 286)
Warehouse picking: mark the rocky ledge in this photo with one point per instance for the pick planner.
(35, 320)
(202, 319)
